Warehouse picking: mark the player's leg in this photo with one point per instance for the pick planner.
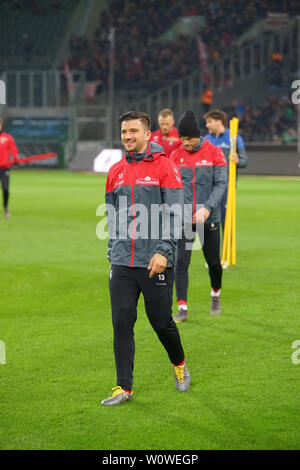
(184, 253)
(5, 189)
(158, 297)
(211, 251)
(124, 294)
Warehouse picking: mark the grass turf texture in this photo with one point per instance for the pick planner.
(55, 321)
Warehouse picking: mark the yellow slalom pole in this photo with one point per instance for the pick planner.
(235, 131)
(229, 236)
(225, 234)
(224, 247)
(228, 215)
(227, 227)
(234, 216)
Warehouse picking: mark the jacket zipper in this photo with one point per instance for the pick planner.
(194, 190)
(134, 220)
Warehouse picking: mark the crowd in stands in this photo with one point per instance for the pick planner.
(274, 120)
(146, 61)
(143, 58)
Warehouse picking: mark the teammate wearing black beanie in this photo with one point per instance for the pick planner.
(188, 125)
(204, 175)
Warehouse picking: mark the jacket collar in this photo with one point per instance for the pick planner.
(152, 151)
(198, 146)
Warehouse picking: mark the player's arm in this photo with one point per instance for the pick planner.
(110, 202)
(241, 152)
(172, 199)
(219, 180)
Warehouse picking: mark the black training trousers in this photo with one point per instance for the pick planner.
(211, 251)
(125, 286)
(4, 178)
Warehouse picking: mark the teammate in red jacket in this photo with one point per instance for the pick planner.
(167, 135)
(8, 148)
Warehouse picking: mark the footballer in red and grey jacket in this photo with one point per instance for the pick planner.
(142, 249)
(167, 135)
(8, 149)
(203, 169)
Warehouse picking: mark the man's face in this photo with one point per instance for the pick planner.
(190, 143)
(134, 135)
(214, 126)
(165, 124)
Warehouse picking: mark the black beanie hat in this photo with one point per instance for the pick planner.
(188, 125)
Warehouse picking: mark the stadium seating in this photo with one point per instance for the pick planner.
(32, 31)
(274, 120)
(143, 59)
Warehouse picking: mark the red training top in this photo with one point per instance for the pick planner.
(169, 143)
(7, 148)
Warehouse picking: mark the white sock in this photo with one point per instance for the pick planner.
(216, 294)
(183, 307)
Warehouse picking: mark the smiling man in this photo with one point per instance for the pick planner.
(143, 178)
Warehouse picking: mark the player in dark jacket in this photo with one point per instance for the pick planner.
(8, 148)
(141, 249)
(203, 168)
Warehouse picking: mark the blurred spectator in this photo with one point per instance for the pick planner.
(272, 121)
(207, 99)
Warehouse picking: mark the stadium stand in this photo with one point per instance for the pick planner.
(149, 57)
(274, 120)
(32, 31)
(144, 59)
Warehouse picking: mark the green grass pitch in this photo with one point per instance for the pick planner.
(55, 321)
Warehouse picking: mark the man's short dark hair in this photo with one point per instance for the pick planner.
(130, 115)
(216, 114)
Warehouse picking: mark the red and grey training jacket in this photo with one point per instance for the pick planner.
(204, 176)
(139, 186)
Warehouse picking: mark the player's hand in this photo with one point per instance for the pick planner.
(234, 158)
(201, 215)
(157, 265)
